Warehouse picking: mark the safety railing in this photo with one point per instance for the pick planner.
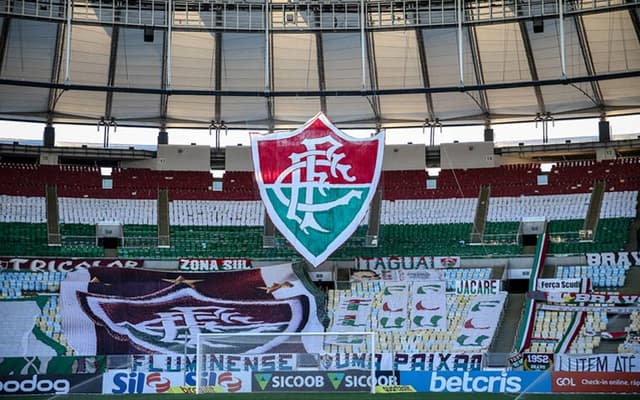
(296, 15)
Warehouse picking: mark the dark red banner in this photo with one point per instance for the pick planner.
(42, 264)
(595, 382)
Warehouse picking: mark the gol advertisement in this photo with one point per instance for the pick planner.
(595, 382)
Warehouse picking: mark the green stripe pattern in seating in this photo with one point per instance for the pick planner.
(22, 239)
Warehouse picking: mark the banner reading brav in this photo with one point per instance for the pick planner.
(316, 183)
(124, 311)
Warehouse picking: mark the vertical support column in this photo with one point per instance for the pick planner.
(49, 136)
(488, 132)
(163, 136)
(53, 218)
(604, 129)
(163, 218)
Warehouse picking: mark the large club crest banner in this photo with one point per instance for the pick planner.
(316, 183)
(126, 311)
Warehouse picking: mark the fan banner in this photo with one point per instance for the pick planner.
(593, 298)
(124, 311)
(362, 275)
(480, 322)
(213, 264)
(351, 314)
(597, 363)
(611, 259)
(429, 305)
(384, 264)
(48, 264)
(316, 183)
(394, 314)
(563, 285)
(22, 335)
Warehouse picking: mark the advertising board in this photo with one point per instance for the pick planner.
(595, 382)
(478, 382)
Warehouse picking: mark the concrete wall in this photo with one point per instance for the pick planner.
(48, 158)
(467, 155)
(238, 158)
(396, 157)
(176, 158)
(402, 157)
(184, 158)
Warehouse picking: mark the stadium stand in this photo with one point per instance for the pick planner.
(414, 220)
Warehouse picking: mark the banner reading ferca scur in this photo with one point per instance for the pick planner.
(316, 183)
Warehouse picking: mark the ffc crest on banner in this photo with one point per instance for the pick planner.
(127, 311)
(316, 183)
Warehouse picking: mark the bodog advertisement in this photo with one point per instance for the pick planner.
(49, 384)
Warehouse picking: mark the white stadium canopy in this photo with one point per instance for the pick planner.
(250, 64)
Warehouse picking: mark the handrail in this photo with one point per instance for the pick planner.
(299, 15)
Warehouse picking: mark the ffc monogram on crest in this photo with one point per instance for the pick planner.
(316, 184)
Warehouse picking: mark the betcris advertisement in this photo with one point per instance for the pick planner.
(478, 381)
(127, 382)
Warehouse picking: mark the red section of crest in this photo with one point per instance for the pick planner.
(361, 155)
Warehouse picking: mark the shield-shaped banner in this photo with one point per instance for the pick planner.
(316, 183)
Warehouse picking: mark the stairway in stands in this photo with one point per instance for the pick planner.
(593, 213)
(482, 209)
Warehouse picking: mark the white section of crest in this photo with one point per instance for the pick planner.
(76, 325)
(90, 211)
(428, 211)
(557, 207)
(619, 204)
(216, 213)
(17, 338)
(22, 209)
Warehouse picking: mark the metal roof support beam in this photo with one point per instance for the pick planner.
(218, 77)
(526, 42)
(563, 62)
(164, 76)
(482, 102)
(422, 54)
(111, 74)
(588, 60)
(55, 72)
(460, 17)
(321, 77)
(168, 40)
(373, 98)
(363, 44)
(268, 84)
(635, 21)
(335, 93)
(67, 59)
(4, 34)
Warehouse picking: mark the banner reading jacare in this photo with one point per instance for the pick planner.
(316, 183)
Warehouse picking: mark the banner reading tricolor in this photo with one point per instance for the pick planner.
(316, 183)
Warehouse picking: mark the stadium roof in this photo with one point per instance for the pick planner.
(254, 64)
